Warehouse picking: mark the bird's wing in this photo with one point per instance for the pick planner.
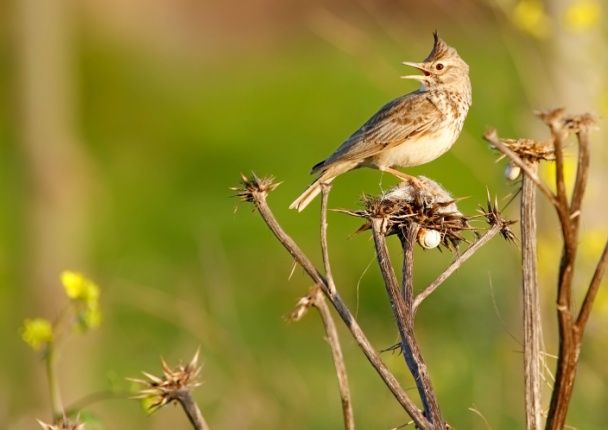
(393, 124)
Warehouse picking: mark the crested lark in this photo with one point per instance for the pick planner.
(411, 130)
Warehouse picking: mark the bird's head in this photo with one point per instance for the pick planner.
(443, 67)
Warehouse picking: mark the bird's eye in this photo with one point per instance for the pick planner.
(439, 66)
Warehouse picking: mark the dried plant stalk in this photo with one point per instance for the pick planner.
(531, 303)
(402, 211)
(403, 317)
(328, 321)
(336, 351)
(570, 324)
(255, 190)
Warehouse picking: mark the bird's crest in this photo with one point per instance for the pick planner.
(440, 49)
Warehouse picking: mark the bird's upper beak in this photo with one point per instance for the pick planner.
(420, 66)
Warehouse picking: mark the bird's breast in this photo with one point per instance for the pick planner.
(418, 150)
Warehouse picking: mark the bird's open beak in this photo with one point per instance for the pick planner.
(419, 66)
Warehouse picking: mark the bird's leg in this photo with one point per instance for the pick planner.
(409, 179)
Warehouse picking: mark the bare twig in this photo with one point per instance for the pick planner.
(325, 189)
(193, 412)
(594, 285)
(409, 346)
(580, 183)
(255, 191)
(531, 303)
(471, 250)
(338, 358)
(569, 339)
(554, 124)
(328, 321)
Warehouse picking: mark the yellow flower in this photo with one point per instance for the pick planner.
(85, 297)
(530, 17)
(582, 15)
(78, 287)
(37, 332)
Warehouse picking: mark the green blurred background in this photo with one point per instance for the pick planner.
(125, 123)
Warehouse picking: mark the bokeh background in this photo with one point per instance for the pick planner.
(122, 127)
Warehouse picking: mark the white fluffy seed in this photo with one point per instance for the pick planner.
(512, 172)
(429, 239)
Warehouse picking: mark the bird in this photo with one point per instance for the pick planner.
(411, 130)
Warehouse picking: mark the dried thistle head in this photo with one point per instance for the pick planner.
(253, 185)
(559, 122)
(494, 217)
(428, 205)
(530, 149)
(65, 424)
(158, 391)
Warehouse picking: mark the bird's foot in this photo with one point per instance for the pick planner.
(413, 181)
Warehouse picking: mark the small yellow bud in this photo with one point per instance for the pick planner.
(37, 332)
(78, 287)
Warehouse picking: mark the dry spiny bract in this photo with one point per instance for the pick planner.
(430, 206)
(253, 184)
(557, 119)
(170, 386)
(494, 217)
(532, 150)
(65, 424)
(304, 304)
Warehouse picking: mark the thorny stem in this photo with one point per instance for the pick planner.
(404, 319)
(471, 250)
(328, 321)
(259, 200)
(336, 351)
(193, 412)
(531, 303)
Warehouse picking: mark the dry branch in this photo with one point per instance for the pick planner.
(404, 319)
(411, 212)
(328, 321)
(531, 303)
(255, 190)
(571, 327)
(338, 358)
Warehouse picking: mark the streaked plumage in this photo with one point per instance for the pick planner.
(411, 130)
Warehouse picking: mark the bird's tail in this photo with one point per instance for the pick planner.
(310, 193)
(329, 173)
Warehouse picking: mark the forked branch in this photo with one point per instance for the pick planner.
(570, 323)
(255, 190)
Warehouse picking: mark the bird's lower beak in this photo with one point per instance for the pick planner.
(419, 66)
